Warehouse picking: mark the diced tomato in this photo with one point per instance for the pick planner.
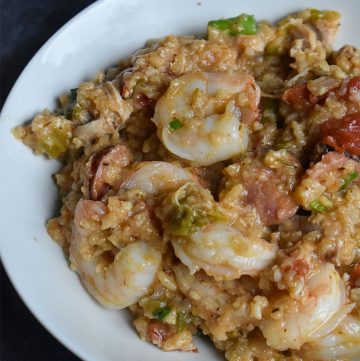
(347, 87)
(344, 134)
(299, 97)
(354, 84)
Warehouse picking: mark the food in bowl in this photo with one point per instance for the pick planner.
(213, 185)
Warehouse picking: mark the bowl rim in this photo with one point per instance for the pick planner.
(51, 328)
(53, 331)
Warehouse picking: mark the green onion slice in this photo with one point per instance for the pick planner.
(161, 312)
(175, 124)
(316, 206)
(182, 320)
(348, 179)
(244, 24)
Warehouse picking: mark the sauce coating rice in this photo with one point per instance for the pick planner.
(213, 185)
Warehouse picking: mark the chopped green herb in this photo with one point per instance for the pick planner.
(161, 312)
(175, 124)
(275, 47)
(243, 24)
(187, 219)
(287, 163)
(269, 110)
(282, 145)
(279, 45)
(348, 179)
(316, 206)
(318, 14)
(182, 320)
(77, 112)
(233, 334)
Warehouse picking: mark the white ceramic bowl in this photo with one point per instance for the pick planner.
(94, 39)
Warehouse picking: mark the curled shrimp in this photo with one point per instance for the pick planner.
(343, 343)
(224, 252)
(120, 277)
(203, 239)
(202, 116)
(207, 299)
(153, 178)
(223, 306)
(116, 281)
(290, 324)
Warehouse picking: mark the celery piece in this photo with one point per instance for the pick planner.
(326, 14)
(187, 220)
(152, 305)
(54, 143)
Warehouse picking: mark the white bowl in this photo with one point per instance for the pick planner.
(94, 39)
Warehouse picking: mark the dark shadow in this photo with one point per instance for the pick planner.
(25, 25)
(22, 337)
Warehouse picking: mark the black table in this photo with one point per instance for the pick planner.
(25, 26)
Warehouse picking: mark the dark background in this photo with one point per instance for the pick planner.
(25, 25)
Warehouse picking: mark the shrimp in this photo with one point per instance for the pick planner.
(341, 344)
(203, 239)
(224, 252)
(290, 324)
(207, 299)
(153, 178)
(203, 117)
(116, 281)
(223, 306)
(119, 277)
